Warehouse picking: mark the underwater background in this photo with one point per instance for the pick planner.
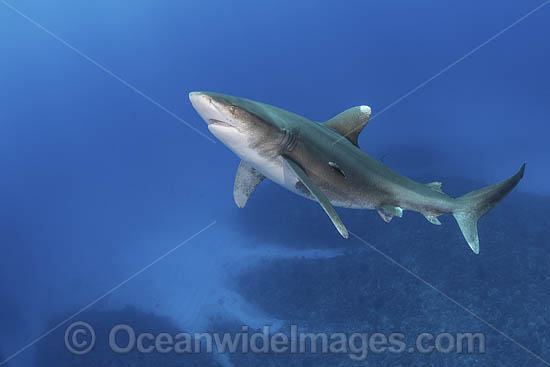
(105, 187)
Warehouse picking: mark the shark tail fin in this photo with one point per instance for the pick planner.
(475, 204)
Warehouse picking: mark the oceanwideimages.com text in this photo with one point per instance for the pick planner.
(80, 339)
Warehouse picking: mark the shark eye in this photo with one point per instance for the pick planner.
(232, 109)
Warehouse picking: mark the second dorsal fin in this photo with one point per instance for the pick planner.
(436, 186)
(350, 122)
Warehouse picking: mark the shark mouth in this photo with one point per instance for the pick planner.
(218, 122)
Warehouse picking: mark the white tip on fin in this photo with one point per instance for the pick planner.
(350, 122)
(387, 212)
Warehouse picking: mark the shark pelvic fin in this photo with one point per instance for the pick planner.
(385, 216)
(319, 195)
(387, 212)
(436, 186)
(246, 180)
(350, 122)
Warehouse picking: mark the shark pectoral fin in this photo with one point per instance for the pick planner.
(433, 219)
(387, 212)
(350, 122)
(246, 180)
(319, 195)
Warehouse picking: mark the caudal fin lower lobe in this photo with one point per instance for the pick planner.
(475, 204)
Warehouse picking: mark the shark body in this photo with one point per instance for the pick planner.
(323, 162)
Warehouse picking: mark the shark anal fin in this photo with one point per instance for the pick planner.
(246, 180)
(319, 195)
(433, 219)
(350, 122)
(387, 212)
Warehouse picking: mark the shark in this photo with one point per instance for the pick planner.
(322, 161)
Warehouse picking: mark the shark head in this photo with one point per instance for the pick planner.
(246, 127)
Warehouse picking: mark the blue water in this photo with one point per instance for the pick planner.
(98, 181)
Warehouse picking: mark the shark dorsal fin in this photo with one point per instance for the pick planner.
(350, 122)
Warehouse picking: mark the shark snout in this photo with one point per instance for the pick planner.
(207, 107)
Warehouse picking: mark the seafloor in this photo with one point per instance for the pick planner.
(359, 290)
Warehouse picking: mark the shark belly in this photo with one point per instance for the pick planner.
(271, 167)
(275, 169)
